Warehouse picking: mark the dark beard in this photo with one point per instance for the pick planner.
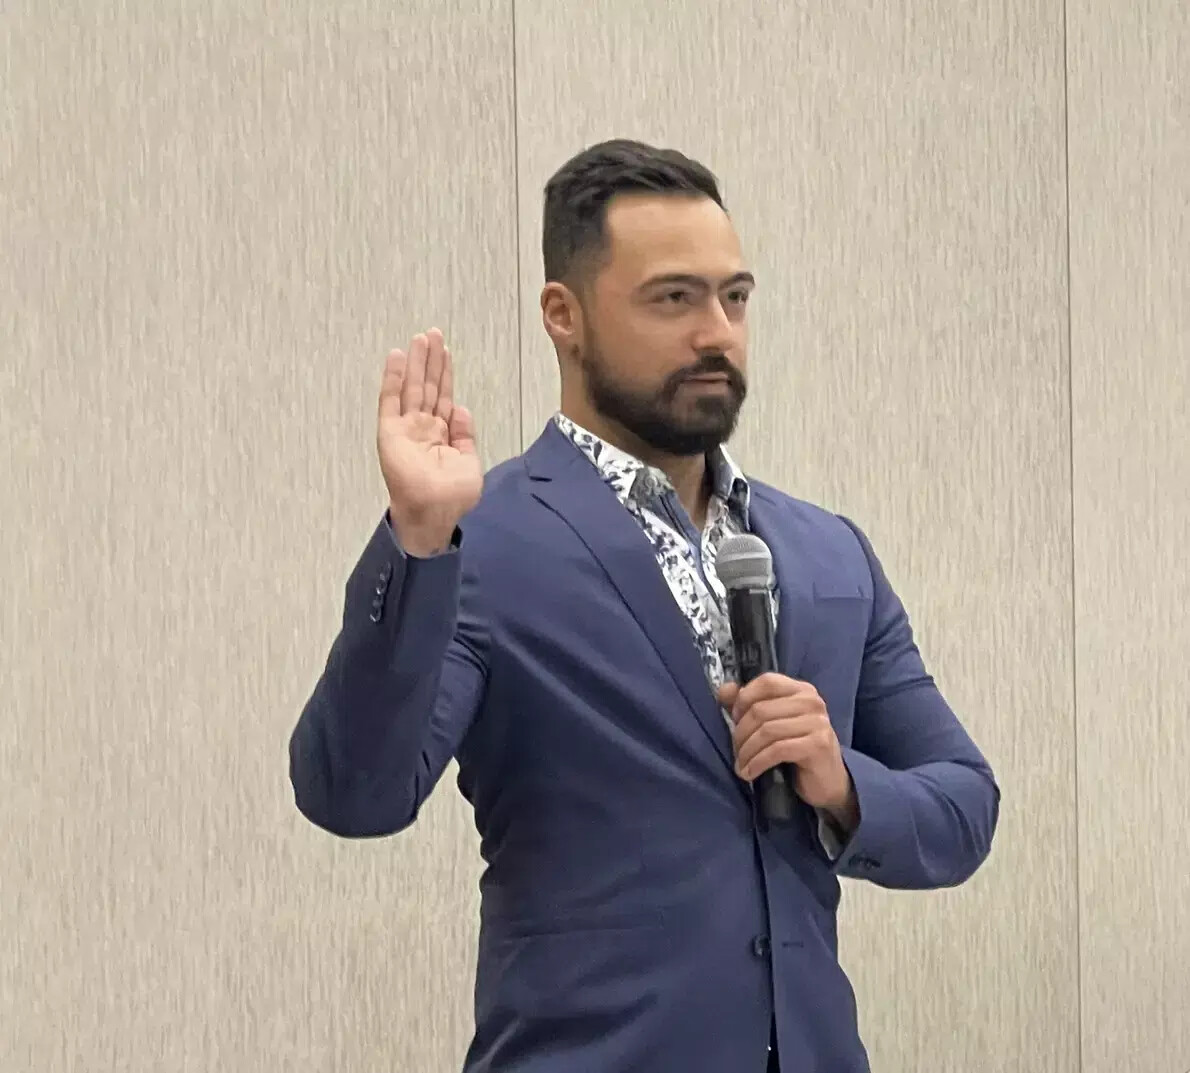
(651, 418)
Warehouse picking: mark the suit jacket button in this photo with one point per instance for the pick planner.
(761, 946)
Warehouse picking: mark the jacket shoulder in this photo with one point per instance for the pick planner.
(790, 508)
(830, 541)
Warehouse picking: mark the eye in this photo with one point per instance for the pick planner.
(739, 296)
(673, 297)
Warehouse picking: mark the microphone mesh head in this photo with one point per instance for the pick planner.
(744, 562)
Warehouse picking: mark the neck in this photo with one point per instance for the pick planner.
(689, 474)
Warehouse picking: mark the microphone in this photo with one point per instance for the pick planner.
(745, 566)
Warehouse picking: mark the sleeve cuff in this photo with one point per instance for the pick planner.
(456, 540)
(880, 817)
(828, 836)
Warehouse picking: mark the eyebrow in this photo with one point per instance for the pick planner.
(688, 279)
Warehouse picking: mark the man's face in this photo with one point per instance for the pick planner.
(664, 342)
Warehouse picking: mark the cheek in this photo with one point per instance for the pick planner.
(645, 363)
(640, 353)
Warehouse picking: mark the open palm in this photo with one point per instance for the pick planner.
(426, 443)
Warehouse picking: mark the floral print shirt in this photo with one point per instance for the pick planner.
(686, 557)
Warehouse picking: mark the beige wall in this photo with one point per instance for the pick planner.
(1130, 385)
(973, 335)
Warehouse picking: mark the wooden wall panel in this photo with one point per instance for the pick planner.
(217, 219)
(1130, 357)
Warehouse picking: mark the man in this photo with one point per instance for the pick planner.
(559, 627)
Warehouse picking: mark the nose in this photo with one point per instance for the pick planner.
(716, 332)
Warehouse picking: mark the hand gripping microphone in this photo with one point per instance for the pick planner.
(745, 566)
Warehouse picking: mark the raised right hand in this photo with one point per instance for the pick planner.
(426, 445)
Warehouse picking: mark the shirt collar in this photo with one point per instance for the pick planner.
(631, 479)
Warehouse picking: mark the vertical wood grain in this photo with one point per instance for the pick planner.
(217, 220)
(898, 180)
(1130, 354)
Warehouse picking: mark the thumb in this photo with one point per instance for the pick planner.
(462, 430)
(728, 693)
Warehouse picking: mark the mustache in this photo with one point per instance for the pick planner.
(708, 365)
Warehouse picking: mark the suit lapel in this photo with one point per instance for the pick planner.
(565, 482)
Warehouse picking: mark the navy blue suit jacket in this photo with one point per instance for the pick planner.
(636, 915)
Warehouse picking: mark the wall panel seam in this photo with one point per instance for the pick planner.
(1070, 432)
(516, 226)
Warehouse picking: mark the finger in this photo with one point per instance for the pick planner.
(767, 735)
(769, 686)
(462, 430)
(728, 693)
(796, 751)
(776, 709)
(446, 399)
(413, 390)
(434, 357)
(391, 383)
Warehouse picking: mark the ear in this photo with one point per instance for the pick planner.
(562, 317)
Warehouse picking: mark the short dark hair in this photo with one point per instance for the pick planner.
(574, 232)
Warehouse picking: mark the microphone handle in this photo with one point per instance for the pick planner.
(754, 637)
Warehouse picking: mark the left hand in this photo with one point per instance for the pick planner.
(779, 720)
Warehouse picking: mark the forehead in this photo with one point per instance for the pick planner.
(649, 234)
